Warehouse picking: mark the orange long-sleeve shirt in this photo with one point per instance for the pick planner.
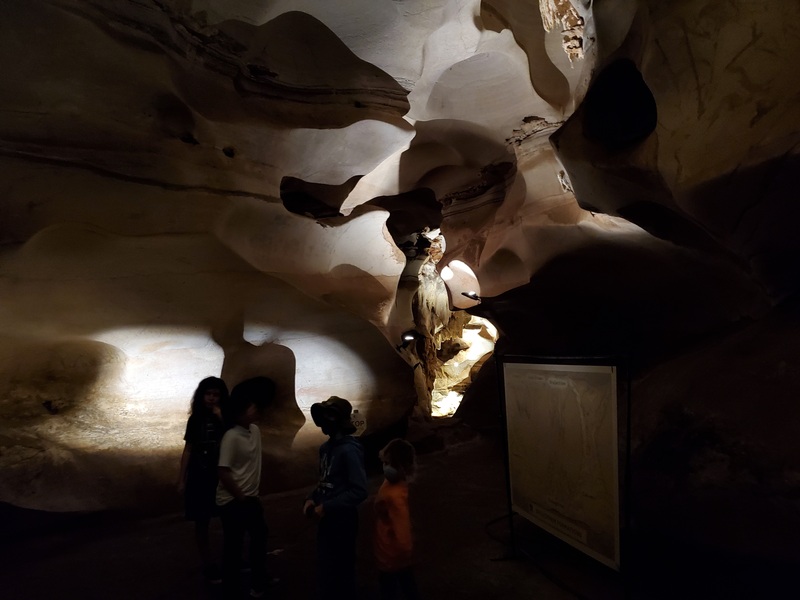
(393, 539)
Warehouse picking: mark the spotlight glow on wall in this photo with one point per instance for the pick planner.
(465, 291)
(164, 364)
(447, 274)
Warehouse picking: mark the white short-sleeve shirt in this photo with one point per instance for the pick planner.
(240, 451)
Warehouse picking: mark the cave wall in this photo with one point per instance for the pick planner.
(197, 187)
(146, 246)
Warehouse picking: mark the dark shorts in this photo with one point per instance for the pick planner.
(200, 496)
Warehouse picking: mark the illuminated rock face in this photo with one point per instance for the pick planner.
(237, 188)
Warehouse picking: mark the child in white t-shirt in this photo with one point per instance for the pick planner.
(237, 493)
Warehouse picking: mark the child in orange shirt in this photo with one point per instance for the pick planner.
(393, 539)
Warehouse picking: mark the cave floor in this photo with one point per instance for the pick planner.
(459, 508)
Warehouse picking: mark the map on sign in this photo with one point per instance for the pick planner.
(562, 441)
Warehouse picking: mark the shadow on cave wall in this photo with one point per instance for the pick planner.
(716, 447)
(315, 200)
(610, 299)
(619, 110)
(40, 379)
(282, 419)
(750, 212)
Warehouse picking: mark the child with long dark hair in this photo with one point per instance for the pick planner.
(198, 477)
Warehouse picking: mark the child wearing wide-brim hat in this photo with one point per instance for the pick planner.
(341, 488)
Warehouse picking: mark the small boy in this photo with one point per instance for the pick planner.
(237, 493)
(393, 540)
(341, 488)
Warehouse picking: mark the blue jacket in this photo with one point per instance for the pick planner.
(342, 478)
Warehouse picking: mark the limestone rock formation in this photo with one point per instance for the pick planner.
(317, 191)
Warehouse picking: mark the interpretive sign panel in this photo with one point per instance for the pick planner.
(562, 442)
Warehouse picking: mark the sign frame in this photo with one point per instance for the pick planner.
(596, 536)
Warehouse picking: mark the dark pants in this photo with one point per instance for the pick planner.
(398, 584)
(336, 555)
(240, 518)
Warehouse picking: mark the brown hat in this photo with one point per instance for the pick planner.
(334, 411)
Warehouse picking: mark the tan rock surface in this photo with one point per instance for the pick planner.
(239, 188)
